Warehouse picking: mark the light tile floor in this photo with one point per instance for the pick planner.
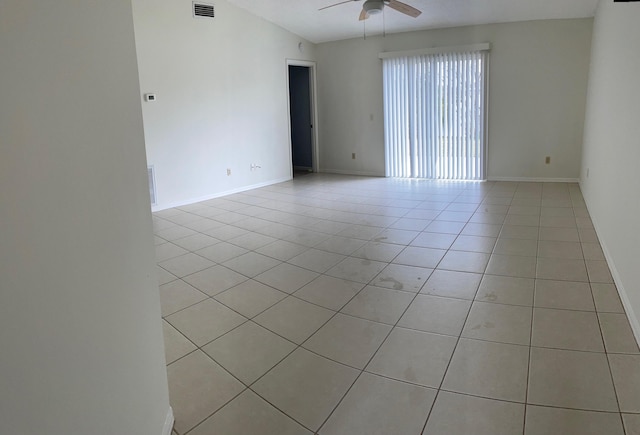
(348, 305)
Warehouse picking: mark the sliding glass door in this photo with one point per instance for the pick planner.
(435, 115)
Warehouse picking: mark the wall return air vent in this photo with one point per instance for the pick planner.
(203, 10)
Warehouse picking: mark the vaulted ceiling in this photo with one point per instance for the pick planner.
(304, 18)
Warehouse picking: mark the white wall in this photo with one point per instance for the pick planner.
(610, 172)
(81, 348)
(538, 81)
(222, 98)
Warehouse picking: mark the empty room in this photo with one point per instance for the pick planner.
(319, 217)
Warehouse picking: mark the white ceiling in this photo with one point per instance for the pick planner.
(303, 18)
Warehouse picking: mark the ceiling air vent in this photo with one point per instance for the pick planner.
(203, 10)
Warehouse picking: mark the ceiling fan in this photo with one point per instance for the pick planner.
(372, 7)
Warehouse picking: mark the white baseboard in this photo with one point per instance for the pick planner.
(535, 179)
(168, 423)
(347, 172)
(622, 292)
(218, 194)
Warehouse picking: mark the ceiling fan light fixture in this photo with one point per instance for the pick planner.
(373, 7)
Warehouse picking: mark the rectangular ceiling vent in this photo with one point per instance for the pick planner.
(203, 10)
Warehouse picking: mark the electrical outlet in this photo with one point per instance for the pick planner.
(587, 172)
(228, 171)
(353, 156)
(547, 160)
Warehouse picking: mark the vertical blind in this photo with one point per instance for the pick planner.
(435, 115)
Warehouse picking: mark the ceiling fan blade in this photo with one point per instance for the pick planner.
(403, 8)
(363, 15)
(336, 4)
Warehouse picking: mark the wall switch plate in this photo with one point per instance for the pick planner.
(150, 97)
(353, 156)
(228, 171)
(547, 160)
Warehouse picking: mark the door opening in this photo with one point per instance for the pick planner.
(301, 119)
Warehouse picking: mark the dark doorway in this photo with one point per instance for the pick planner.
(301, 119)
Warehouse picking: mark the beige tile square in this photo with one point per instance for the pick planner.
(174, 232)
(185, 264)
(483, 230)
(464, 261)
(396, 236)
(498, 322)
(249, 351)
(414, 356)
(631, 423)
(287, 277)
(205, 321)
(554, 249)
(400, 277)
(436, 314)
(461, 285)
(474, 244)
(606, 298)
(215, 280)
(488, 218)
(507, 265)
(251, 241)
(250, 298)
(420, 257)
(445, 227)
(564, 329)
(592, 251)
(377, 251)
(558, 421)
(195, 242)
(379, 304)
(571, 379)
(329, 292)
(460, 414)
(221, 252)
(487, 369)
(561, 269)
(559, 234)
(522, 247)
(340, 245)
(433, 240)
(558, 221)
(588, 235)
(506, 290)
(626, 377)
(524, 210)
(356, 269)
(316, 260)
(617, 333)
(411, 224)
(363, 232)
(348, 340)
(294, 319)
(454, 216)
(522, 220)
(166, 251)
(557, 211)
(599, 271)
(281, 250)
(249, 414)
(377, 405)
(519, 232)
(306, 386)
(251, 264)
(568, 295)
(164, 277)
(177, 295)
(176, 345)
(197, 388)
